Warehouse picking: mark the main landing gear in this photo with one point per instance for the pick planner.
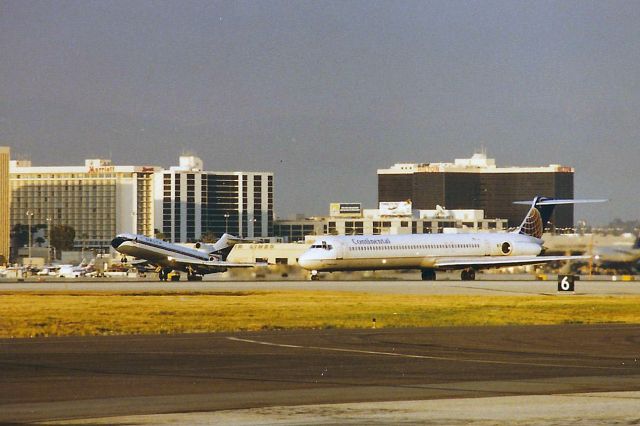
(163, 274)
(468, 275)
(428, 275)
(194, 277)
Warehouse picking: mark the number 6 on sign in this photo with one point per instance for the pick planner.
(566, 283)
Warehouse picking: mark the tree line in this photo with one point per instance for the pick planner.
(61, 237)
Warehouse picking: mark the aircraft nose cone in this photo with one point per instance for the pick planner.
(304, 260)
(117, 241)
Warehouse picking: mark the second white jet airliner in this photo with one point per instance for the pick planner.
(434, 252)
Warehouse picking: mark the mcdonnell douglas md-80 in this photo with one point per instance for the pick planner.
(435, 252)
(167, 257)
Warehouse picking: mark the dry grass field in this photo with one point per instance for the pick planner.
(42, 314)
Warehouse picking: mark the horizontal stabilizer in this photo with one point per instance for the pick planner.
(554, 202)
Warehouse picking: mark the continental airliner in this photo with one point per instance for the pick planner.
(439, 252)
(167, 257)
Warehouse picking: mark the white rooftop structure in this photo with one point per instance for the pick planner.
(91, 166)
(478, 163)
(189, 163)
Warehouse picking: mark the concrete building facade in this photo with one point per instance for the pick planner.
(191, 203)
(5, 204)
(98, 200)
(477, 183)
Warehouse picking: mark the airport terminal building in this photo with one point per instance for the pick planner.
(477, 183)
(191, 203)
(390, 218)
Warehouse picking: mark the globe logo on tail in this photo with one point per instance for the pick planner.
(532, 224)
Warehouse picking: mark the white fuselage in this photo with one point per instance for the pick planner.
(156, 251)
(414, 251)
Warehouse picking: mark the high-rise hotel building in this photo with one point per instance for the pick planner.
(191, 203)
(5, 206)
(98, 200)
(477, 183)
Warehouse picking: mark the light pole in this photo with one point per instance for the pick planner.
(29, 214)
(226, 222)
(49, 239)
(84, 238)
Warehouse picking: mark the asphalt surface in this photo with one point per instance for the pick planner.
(455, 287)
(89, 377)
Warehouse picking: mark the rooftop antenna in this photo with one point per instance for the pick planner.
(482, 152)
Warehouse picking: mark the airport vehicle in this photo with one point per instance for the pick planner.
(167, 257)
(619, 257)
(433, 252)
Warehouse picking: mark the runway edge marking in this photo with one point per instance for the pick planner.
(439, 358)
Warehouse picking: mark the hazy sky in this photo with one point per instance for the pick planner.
(323, 93)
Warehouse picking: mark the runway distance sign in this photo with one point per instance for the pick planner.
(566, 283)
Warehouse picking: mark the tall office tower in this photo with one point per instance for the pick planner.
(98, 200)
(5, 199)
(476, 183)
(191, 203)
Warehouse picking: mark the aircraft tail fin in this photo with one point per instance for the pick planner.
(533, 223)
(224, 245)
(540, 213)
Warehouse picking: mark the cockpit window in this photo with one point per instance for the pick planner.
(324, 245)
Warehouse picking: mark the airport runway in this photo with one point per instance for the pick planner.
(87, 377)
(454, 287)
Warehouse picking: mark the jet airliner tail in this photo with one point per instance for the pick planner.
(226, 242)
(540, 213)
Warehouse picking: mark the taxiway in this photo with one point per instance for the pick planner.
(511, 287)
(58, 379)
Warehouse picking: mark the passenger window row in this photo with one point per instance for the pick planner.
(412, 247)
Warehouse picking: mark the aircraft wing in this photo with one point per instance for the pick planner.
(140, 264)
(498, 261)
(213, 264)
